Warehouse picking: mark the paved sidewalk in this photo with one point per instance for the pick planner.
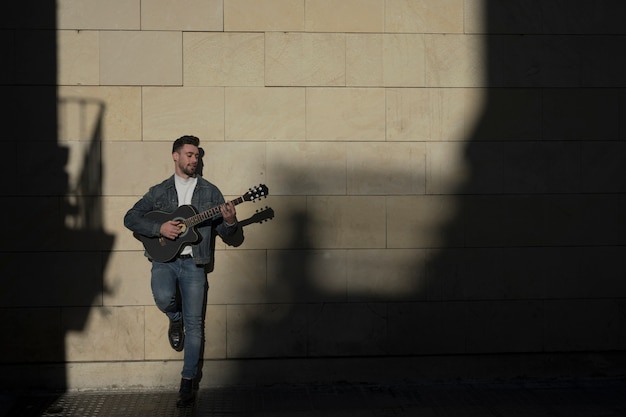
(553, 398)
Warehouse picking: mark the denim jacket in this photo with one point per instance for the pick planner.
(163, 197)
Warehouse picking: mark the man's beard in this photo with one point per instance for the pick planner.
(189, 170)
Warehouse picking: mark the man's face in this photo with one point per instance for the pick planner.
(186, 160)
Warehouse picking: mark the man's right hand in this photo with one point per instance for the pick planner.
(170, 229)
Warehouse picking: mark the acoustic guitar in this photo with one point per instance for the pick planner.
(162, 249)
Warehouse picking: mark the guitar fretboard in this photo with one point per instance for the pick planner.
(209, 214)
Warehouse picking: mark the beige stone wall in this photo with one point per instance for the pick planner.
(305, 96)
(420, 203)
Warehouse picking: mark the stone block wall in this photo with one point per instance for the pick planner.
(446, 177)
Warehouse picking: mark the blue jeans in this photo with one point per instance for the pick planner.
(191, 280)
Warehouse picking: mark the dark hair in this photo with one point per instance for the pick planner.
(185, 140)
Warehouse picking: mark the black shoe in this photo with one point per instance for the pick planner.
(176, 334)
(185, 393)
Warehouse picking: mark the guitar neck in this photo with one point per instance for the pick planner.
(209, 214)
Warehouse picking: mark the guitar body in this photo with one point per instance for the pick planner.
(161, 249)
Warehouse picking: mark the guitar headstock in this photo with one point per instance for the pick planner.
(256, 193)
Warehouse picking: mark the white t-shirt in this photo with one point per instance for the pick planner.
(184, 189)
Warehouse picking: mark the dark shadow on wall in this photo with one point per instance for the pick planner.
(541, 213)
(52, 266)
(532, 260)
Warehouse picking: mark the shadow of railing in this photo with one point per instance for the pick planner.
(53, 270)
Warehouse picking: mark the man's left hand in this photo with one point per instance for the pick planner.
(229, 213)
